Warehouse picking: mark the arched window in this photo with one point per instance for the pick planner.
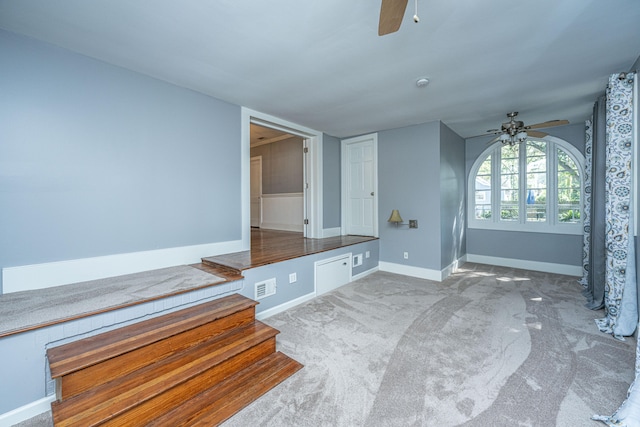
(532, 186)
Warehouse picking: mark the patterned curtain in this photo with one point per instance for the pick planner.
(621, 286)
(621, 305)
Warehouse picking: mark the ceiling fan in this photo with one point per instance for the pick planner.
(514, 131)
(391, 14)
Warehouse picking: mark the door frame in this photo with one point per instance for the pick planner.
(258, 160)
(344, 190)
(313, 168)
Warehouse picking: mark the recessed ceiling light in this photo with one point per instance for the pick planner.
(422, 82)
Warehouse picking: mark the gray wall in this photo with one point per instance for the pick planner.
(282, 166)
(98, 160)
(331, 181)
(636, 66)
(452, 197)
(563, 249)
(409, 180)
(305, 272)
(540, 247)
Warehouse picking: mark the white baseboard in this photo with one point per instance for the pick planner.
(547, 267)
(27, 411)
(290, 304)
(331, 232)
(285, 306)
(453, 267)
(40, 276)
(409, 270)
(423, 273)
(282, 227)
(364, 273)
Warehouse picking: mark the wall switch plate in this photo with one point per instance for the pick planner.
(406, 255)
(293, 277)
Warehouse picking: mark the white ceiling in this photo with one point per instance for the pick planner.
(322, 65)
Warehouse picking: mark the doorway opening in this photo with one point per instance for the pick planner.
(277, 180)
(311, 164)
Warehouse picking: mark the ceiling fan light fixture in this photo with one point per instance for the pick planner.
(522, 136)
(514, 131)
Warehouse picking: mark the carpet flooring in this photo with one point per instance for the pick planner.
(28, 309)
(488, 346)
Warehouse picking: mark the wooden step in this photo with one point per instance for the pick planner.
(81, 380)
(81, 363)
(229, 273)
(219, 403)
(143, 394)
(199, 365)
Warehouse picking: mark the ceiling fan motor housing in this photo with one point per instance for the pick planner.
(513, 127)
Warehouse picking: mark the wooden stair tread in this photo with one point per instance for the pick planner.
(92, 376)
(229, 273)
(80, 354)
(148, 411)
(196, 366)
(217, 404)
(116, 397)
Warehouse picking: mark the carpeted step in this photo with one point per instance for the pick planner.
(144, 394)
(98, 359)
(218, 403)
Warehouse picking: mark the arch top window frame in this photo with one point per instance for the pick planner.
(551, 223)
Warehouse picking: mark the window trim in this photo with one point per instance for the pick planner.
(552, 226)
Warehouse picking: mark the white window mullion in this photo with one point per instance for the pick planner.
(552, 183)
(522, 182)
(496, 185)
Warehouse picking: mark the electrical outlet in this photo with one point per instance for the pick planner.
(406, 255)
(293, 277)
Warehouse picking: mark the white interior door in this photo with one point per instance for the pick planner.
(360, 185)
(256, 191)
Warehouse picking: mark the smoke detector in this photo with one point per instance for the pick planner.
(422, 82)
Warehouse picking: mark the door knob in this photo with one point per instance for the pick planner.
(372, 193)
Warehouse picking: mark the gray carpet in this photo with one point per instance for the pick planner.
(23, 310)
(489, 346)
